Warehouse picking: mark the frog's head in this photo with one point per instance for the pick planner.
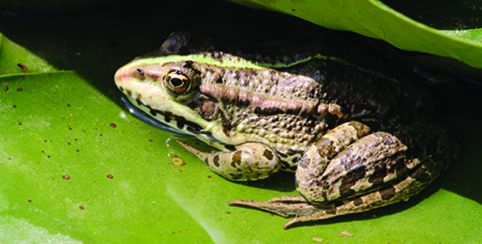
(167, 91)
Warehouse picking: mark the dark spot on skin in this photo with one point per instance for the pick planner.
(326, 148)
(66, 177)
(237, 158)
(358, 202)
(129, 93)
(121, 88)
(242, 103)
(268, 154)
(20, 89)
(230, 147)
(235, 176)
(194, 127)
(350, 179)
(192, 130)
(292, 152)
(216, 161)
(331, 211)
(379, 173)
(387, 193)
(109, 176)
(421, 175)
(283, 155)
(188, 64)
(113, 125)
(401, 169)
(180, 122)
(167, 117)
(345, 190)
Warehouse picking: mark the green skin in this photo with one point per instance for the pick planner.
(266, 117)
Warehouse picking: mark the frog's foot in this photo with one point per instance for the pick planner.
(304, 211)
(284, 209)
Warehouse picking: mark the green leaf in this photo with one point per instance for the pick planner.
(15, 59)
(77, 167)
(375, 19)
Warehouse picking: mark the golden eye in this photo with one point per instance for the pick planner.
(177, 83)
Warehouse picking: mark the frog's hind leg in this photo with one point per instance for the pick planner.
(304, 211)
(372, 172)
(401, 191)
(249, 161)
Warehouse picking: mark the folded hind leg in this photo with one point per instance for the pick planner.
(371, 172)
(403, 190)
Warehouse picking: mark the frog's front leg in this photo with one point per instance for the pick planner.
(249, 161)
(348, 171)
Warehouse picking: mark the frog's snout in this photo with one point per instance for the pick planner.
(121, 75)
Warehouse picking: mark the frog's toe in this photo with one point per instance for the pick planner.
(280, 208)
(288, 199)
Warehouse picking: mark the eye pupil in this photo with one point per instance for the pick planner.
(175, 82)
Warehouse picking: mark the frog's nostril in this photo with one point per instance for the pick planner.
(139, 74)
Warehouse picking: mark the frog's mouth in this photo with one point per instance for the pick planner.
(149, 120)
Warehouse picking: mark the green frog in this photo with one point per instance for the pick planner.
(356, 138)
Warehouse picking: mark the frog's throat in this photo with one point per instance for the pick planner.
(149, 120)
(141, 113)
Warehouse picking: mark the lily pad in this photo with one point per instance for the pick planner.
(75, 166)
(376, 19)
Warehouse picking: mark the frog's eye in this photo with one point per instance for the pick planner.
(177, 83)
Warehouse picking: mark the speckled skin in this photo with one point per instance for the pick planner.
(262, 119)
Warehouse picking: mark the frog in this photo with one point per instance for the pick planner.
(356, 139)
